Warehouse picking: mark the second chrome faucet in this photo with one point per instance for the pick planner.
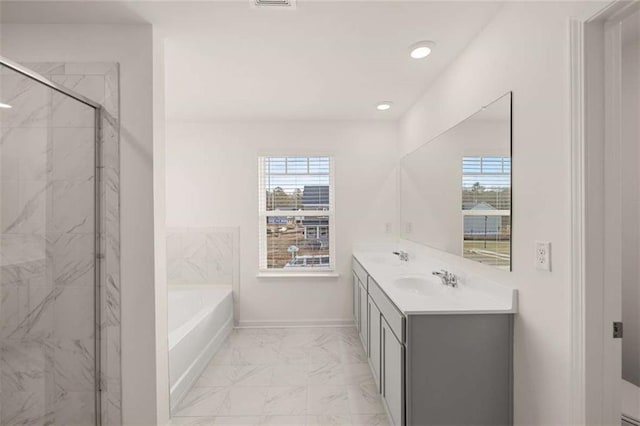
(447, 278)
(403, 255)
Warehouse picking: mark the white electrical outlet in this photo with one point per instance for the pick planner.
(543, 255)
(408, 227)
(388, 228)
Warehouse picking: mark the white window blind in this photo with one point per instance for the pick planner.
(296, 213)
(486, 184)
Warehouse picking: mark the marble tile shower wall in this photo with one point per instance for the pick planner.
(47, 248)
(202, 256)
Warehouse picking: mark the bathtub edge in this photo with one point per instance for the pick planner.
(197, 367)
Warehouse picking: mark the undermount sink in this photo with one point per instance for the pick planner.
(417, 284)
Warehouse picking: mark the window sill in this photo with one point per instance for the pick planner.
(265, 274)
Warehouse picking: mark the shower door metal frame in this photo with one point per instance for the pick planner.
(98, 255)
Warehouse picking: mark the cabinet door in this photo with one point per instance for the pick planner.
(364, 326)
(375, 341)
(356, 300)
(393, 374)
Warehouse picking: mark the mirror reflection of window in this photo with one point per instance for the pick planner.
(486, 210)
(455, 189)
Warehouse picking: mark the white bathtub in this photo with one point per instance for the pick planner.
(200, 318)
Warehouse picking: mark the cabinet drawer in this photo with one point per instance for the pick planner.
(359, 271)
(388, 310)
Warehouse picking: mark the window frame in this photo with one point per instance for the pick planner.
(263, 214)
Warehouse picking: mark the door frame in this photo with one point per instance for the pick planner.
(594, 73)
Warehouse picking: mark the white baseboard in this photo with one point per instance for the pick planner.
(188, 379)
(295, 323)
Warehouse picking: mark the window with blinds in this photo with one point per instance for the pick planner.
(296, 213)
(486, 209)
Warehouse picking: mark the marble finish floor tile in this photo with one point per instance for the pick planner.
(370, 420)
(228, 375)
(286, 401)
(364, 399)
(322, 420)
(327, 400)
(201, 402)
(290, 375)
(285, 376)
(217, 421)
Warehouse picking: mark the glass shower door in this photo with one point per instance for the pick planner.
(48, 275)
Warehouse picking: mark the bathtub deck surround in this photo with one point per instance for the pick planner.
(285, 376)
(431, 345)
(200, 320)
(203, 281)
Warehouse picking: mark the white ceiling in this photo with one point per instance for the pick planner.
(322, 60)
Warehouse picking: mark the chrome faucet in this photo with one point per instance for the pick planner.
(447, 278)
(403, 255)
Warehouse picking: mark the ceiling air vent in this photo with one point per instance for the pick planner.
(274, 3)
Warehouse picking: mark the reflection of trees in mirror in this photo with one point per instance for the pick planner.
(498, 198)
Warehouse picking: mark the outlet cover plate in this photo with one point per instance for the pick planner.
(543, 255)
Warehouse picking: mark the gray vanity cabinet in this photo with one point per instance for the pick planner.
(464, 363)
(393, 374)
(436, 369)
(375, 338)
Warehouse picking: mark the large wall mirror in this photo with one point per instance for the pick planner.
(456, 188)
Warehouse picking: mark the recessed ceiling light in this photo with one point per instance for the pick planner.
(421, 49)
(5, 105)
(383, 106)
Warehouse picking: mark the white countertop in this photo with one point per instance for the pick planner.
(473, 295)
